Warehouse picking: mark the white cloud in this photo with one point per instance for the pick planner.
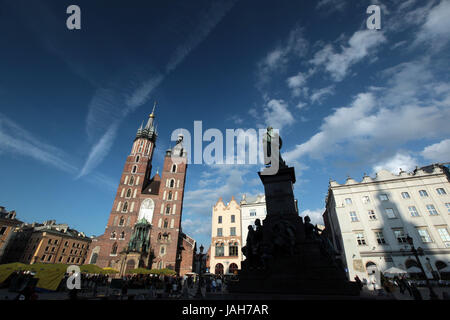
(437, 25)
(297, 84)
(315, 215)
(399, 161)
(361, 44)
(277, 115)
(438, 152)
(318, 95)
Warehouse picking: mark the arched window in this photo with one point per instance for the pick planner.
(165, 223)
(134, 169)
(219, 268)
(122, 235)
(168, 209)
(113, 235)
(94, 258)
(137, 159)
(162, 250)
(121, 221)
(170, 196)
(233, 268)
(159, 236)
(125, 206)
(114, 248)
(128, 193)
(131, 180)
(174, 168)
(172, 183)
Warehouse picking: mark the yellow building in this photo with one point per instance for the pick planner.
(226, 240)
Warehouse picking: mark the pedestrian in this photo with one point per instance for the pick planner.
(358, 282)
(213, 285)
(219, 284)
(416, 293)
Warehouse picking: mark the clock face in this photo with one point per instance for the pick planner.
(146, 211)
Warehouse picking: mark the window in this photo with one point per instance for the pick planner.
(49, 241)
(169, 196)
(174, 168)
(390, 213)
(405, 195)
(432, 210)
(137, 159)
(234, 249)
(122, 235)
(443, 233)
(134, 169)
(353, 216)
(43, 257)
(365, 199)
(348, 201)
(122, 221)
(166, 224)
(423, 193)
(163, 249)
(232, 231)
(172, 183)
(233, 218)
(114, 249)
(372, 215)
(219, 232)
(131, 181)
(3, 230)
(384, 197)
(56, 241)
(125, 207)
(447, 205)
(360, 239)
(424, 235)
(400, 236)
(128, 193)
(253, 213)
(413, 211)
(168, 209)
(380, 237)
(441, 191)
(219, 219)
(219, 250)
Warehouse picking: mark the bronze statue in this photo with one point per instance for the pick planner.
(269, 139)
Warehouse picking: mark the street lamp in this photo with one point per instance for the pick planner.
(198, 294)
(433, 295)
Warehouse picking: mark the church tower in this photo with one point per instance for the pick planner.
(144, 226)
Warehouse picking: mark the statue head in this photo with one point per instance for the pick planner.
(307, 219)
(250, 228)
(258, 222)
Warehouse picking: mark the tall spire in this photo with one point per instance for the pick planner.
(151, 118)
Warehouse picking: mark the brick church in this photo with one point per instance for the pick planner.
(144, 226)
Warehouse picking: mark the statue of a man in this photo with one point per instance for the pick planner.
(270, 138)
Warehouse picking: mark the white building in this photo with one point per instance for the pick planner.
(251, 209)
(368, 221)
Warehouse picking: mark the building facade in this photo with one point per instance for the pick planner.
(144, 225)
(8, 222)
(368, 222)
(47, 243)
(226, 238)
(251, 209)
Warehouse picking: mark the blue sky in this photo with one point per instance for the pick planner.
(347, 100)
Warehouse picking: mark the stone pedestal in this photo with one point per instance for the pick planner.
(290, 261)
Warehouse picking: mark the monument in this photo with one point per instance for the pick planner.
(286, 255)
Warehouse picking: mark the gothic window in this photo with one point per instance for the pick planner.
(131, 180)
(122, 235)
(113, 235)
(170, 196)
(172, 183)
(168, 209)
(163, 250)
(114, 248)
(166, 223)
(159, 236)
(125, 207)
(121, 221)
(134, 169)
(174, 168)
(137, 159)
(128, 193)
